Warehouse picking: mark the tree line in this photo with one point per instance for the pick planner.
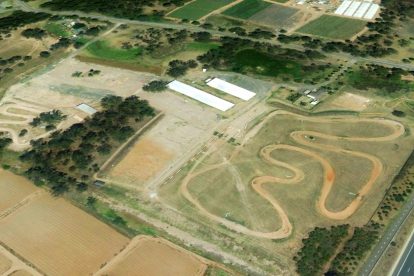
(68, 158)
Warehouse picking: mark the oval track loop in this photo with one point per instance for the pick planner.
(301, 137)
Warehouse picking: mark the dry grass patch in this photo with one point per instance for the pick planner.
(63, 240)
(13, 189)
(154, 257)
(142, 162)
(5, 264)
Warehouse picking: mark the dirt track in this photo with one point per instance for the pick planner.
(303, 138)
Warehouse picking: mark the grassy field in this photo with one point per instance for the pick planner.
(103, 49)
(222, 182)
(57, 30)
(198, 8)
(247, 8)
(333, 27)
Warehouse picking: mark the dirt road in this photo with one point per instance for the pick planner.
(305, 138)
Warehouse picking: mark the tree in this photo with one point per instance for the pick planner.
(155, 86)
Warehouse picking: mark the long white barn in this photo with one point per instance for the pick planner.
(365, 9)
(200, 96)
(231, 89)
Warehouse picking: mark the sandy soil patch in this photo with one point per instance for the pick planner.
(13, 189)
(143, 161)
(20, 273)
(154, 257)
(351, 101)
(5, 263)
(63, 240)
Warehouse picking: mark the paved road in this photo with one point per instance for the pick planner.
(405, 265)
(387, 237)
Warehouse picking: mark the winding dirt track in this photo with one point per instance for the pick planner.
(303, 138)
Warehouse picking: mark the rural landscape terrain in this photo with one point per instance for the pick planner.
(208, 138)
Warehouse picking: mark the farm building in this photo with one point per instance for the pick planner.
(200, 96)
(86, 108)
(358, 9)
(231, 89)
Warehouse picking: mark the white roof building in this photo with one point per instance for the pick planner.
(200, 96)
(231, 89)
(86, 108)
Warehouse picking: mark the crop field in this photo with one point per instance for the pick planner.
(152, 256)
(198, 8)
(63, 240)
(265, 13)
(13, 190)
(247, 8)
(333, 27)
(257, 187)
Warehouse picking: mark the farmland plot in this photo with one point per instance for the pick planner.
(63, 240)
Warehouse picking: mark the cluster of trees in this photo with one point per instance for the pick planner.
(68, 158)
(354, 250)
(130, 9)
(49, 119)
(155, 86)
(379, 77)
(4, 142)
(225, 56)
(257, 33)
(401, 188)
(36, 33)
(318, 248)
(177, 68)
(21, 18)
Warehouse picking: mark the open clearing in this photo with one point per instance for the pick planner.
(349, 101)
(184, 127)
(333, 27)
(152, 257)
(198, 8)
(332, 163)
(56, 88)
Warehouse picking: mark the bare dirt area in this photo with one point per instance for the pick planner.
(175, 134)
(142, 162)
(152, 257)
(315, 145)
(63, 240)
(350, 101)
(56, 88)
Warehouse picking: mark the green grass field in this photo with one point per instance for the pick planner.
(247, 8)
(333, 27)
(102, 49)
(57, 30)
(199, 8)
